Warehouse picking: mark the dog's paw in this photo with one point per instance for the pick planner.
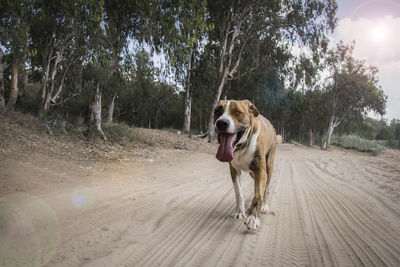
(252, 223)
(238, 214)
(266, 210)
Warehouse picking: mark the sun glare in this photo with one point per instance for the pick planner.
(379, 34)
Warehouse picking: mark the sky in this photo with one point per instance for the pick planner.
(375, 26)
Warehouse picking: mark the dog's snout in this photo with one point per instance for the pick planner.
(222, 124)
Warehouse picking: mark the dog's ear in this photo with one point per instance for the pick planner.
(252, 108)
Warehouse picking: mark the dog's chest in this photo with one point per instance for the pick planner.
(243, 158)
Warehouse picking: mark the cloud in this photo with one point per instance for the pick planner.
(378, 42)
(389, 75)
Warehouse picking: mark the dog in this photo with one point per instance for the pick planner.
(247, 140)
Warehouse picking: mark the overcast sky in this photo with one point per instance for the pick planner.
(375, 26)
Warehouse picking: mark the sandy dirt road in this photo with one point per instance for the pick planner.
(332, 208)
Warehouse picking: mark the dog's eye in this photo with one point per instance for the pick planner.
(238, 113)
(217, 112)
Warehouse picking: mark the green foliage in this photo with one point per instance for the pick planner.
(358, 143)
(69, 48)
(354, 85)
(394, 144)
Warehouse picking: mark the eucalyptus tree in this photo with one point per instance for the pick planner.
(14, 33)
(123, 21)
(307, 79)
(352, 87)
(279, 23)
(181, 34)
(61, 31)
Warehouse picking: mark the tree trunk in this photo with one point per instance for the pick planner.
(110, 72)
(188, 110)
(329, 133)
(46, 77)
(111, 108)
(47, 94)
(2, 99)
(96, 111)
(311, 138)
(156, 117)
(200, 121)
(14, 86)
(217, 96)
(188, 98)
(46, 104)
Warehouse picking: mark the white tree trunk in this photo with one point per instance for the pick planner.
(217, 96)
(111, 70)
(188, 98)
(14, 86)
(188, 111)
(110, 113)
(329, 132)
(96, 111)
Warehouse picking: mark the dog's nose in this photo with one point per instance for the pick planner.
(222, 124)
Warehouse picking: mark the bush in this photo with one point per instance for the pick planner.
(123, 134)
(355, 142)
(393, 144)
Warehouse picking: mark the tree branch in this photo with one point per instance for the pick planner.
(65, 100)
(71, 59)
(336, 123)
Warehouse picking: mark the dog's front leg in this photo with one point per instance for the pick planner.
(253, 220)
(240, 211)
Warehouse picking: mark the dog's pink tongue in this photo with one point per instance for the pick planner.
(225, 149)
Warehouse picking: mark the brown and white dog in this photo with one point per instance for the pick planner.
(248, 142)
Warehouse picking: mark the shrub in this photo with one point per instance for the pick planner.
(352, 141)
(123, 134)
(393, 144)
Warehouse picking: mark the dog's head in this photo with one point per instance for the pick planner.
(232, 120)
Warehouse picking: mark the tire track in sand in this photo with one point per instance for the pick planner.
(324, 217)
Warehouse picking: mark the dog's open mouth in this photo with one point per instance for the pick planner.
(227, 143)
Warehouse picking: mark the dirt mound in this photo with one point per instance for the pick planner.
(21, 135)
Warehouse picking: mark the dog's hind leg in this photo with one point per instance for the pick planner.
(240, 211)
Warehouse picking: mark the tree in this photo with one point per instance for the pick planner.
(61, 32)
(180, 34)
(278, 23)
(353, 87)
(14, 31)
(122, 19)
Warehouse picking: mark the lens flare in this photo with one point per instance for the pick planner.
(128, 176)
(29, 231)
(83, 197)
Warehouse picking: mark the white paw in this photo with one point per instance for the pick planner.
(266, 210)
(252, 223)
(239, 214)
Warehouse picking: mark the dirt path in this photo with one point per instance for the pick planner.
(332, 208)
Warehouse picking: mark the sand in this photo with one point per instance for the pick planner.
(332, 208)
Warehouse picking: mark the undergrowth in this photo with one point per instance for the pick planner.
(352, 141)
(123, 134)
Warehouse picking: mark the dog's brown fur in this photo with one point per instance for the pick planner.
(245, 114)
